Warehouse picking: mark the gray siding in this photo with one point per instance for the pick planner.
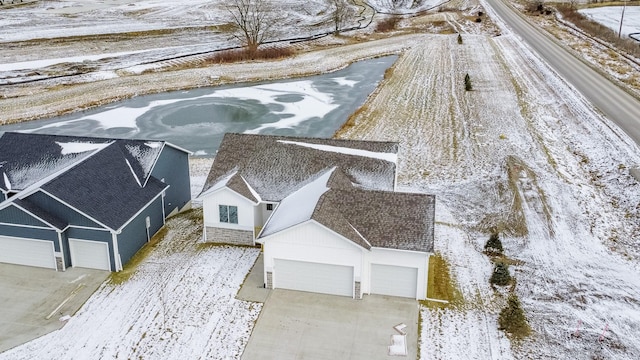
(173, 167)
(134, 235)
(87, 234)
(14, 215)
(31, 233)
(62, 211)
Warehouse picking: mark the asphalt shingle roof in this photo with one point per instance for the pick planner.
(107, 179)
(41, 213)
(274, 167)
(395, 220)
(355, 199)
(105, 188)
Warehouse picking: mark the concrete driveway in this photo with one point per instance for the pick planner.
(33, 299)
(300, 325)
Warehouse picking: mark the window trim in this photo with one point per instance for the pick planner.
(228, 214)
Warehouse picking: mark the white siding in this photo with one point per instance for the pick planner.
(312, 242)
(226, 196)
(401, 258)
(27, 252)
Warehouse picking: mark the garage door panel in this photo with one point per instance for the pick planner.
(30, 252)
(394, 280)
(89, 254)
(313, 277)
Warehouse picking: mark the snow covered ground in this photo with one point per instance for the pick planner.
(179, 304)
(524, 153)
(610, 17)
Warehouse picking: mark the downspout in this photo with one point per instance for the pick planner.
(64, 265)
(116, 253)
(163, 211)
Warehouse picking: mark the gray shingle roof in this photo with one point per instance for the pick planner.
(275, 168)
(41, 213)
(105, 188)
(395, 220)
(26, 158)
(107, 179)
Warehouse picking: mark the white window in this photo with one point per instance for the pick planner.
(228, 214)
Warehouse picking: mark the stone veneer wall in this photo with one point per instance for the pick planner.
(229, 236)
(358, 293)
(269, 280)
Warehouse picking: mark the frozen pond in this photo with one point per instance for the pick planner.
(197, 119)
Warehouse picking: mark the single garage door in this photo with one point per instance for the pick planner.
(313, 277)
(394, 280)
(28, 252)
(89, 254)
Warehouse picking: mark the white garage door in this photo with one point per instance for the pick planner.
(313, 277)
(394, 280)
(27, 252)
(89, 254)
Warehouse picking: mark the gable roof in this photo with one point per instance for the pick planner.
(105, 187)
(275, 166)
(298, 206)
(108, 180)
(370, 218)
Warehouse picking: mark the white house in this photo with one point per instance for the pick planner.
(325, 212)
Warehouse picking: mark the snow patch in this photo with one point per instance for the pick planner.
(299, 206)
(133, 172)
(80, 147)
(253, 192)
(348, 151)
(344, 81)
(7, 183)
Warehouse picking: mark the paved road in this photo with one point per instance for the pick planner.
(614, 102)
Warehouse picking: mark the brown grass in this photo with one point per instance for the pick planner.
(599, 31)
(441, 285)
(132, 265)
(231, 56)
(387, 24)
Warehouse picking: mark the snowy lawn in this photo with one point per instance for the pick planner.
(522, 152)
(178, 303)
(609, 16)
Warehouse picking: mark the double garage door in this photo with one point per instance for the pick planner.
(313, 277)
(40, 253)
(28, 252)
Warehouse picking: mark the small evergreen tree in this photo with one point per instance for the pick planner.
(501, 275)
(459, 39)
(512, 319)
(494, 245)
(467, 83)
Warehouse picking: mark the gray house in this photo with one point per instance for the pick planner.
(85, 202)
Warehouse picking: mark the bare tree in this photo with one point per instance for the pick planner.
(252, 22)
(342, 11)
